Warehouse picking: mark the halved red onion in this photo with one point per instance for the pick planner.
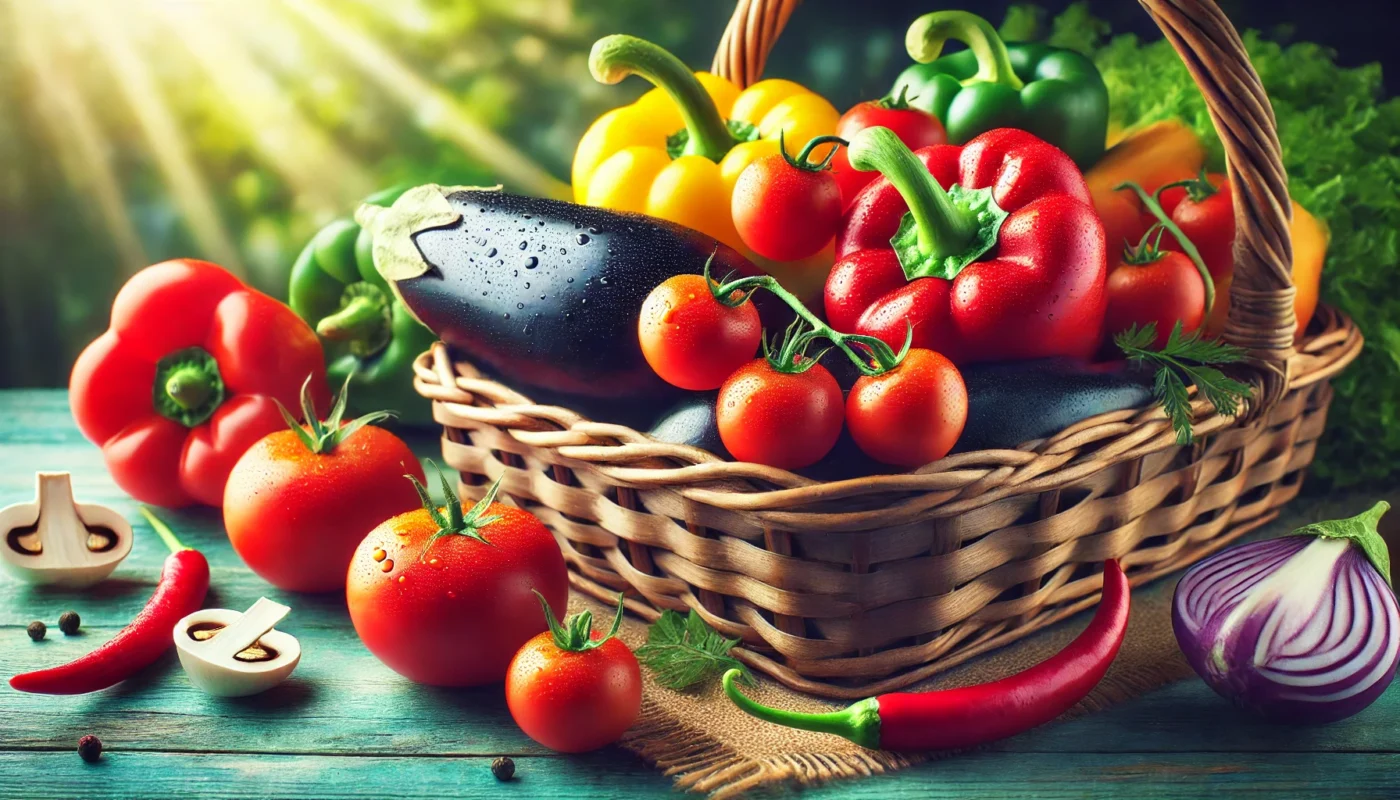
(1302, 629)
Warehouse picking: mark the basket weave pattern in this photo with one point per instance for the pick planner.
(852, 587)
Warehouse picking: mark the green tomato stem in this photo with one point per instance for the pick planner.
(615, 57)
(943, 229)
(1150, 203)
(928, 34)
(885, 358)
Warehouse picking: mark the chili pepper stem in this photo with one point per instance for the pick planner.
(615, 57)
(943, 228)
(859, 722)
(163, 531)
(928, 34)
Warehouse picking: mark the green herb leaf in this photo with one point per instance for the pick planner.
(683, 651)
(1361, 529)
(1183, 359)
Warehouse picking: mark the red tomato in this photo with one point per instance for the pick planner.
(1210, 225)
(913, 127)
(911, 415)
(691, 339)
(1162, 291)
(453, 611)
(572, 697)
(785, 212)
(781, 419)
(295, 517)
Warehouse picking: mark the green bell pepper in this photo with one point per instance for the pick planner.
(1055, 94)
(366, 331)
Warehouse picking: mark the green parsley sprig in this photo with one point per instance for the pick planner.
(1186, 360)
(683, 651)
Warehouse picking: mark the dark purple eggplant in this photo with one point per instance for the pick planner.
(542, 293)
(1013, 402)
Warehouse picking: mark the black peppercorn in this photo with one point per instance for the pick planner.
(503, 768)
(69, 622)
(90, 748)
(37, 630)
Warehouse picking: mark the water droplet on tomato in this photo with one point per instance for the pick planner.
(531, 262)
(378, 554)
(387, 566)
(491, 253)
(402, 578)
(435, 563)
(451, 595)
(582, 238)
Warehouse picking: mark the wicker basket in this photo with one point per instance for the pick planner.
(853, 587)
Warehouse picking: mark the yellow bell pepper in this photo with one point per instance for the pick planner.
(677, 152)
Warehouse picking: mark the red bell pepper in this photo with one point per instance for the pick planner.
(188, 377)
(1007, 263)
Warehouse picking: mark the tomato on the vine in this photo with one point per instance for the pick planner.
(917, 129)
(573, 690)
(787, 208)
(446, 597)
(299, 501)
(784, 410)
(690, 338)
(911, 415)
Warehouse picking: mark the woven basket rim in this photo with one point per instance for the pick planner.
(952, 485)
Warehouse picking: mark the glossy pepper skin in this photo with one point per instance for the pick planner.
(973, 715)
(1008, 263)
(365, 329)
(677, 152)
(1056, 94)
(184, 580)
(186, 378)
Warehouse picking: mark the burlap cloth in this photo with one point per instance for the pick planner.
(709, 745)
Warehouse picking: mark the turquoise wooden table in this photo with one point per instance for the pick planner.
(346, 726)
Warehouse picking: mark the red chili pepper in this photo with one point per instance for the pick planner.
(1007, 262)
(183, 582)
(974, 715)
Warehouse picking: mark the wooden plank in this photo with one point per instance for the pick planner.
(340, 700)
(613, 774)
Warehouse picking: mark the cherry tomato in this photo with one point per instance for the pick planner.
(786, 212)
(781, 419)
(574, 696)
(911, 415)
(1162, 291)
(913, 127)
(295, 516)
(1209, 222)
(453, 610)
(692, 340)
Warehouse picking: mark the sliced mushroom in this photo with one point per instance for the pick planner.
(56, 540)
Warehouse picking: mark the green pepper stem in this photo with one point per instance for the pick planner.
(859, 722)
(189, 387)
(1150, 203)
(617, 56)
(365, 320)
(943, 229)
(163, 531)
(928, 34)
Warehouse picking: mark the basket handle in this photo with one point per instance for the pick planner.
(1261, 297)
(1261, 316)
(749, 37)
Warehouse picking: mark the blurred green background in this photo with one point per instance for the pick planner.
(133, 131)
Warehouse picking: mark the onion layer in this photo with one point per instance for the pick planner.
(1302, 629)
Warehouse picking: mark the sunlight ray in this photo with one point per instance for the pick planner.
(435, 110)
(82, 149)
(162, 132)
(330, 180)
